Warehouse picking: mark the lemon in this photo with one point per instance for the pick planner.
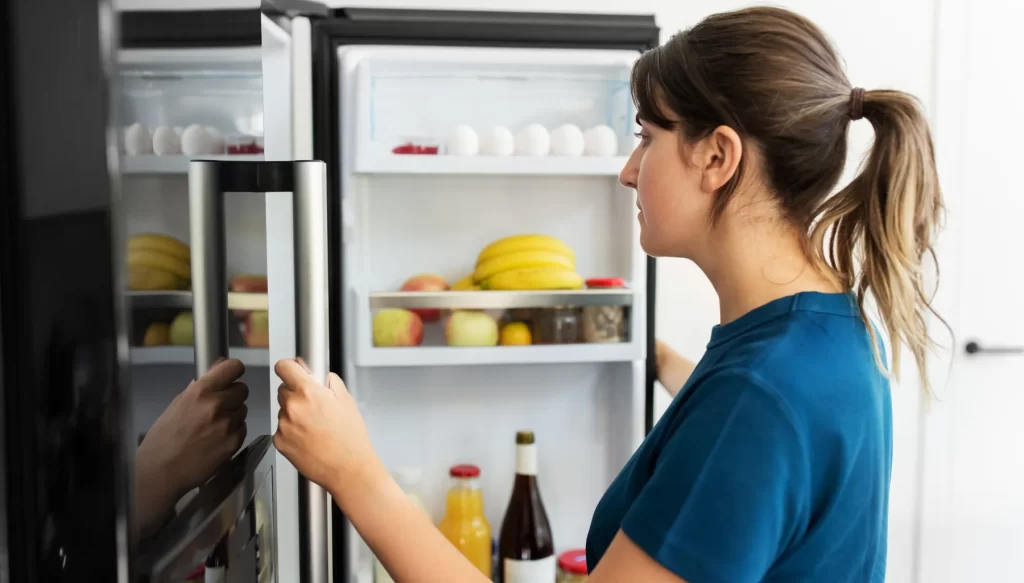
(515, 334)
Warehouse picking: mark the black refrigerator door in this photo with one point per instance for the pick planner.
(365, 26)
(64, 462)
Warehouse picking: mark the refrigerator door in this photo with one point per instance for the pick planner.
(392, 216)
(304, 511)
(65, 460)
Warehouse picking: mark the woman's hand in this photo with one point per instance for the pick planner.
(320, 430)
(200, 430)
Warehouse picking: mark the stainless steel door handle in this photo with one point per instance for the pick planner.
(973, 347)
(307, 181)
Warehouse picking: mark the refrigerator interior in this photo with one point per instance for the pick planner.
(434, 405)
(220, 89)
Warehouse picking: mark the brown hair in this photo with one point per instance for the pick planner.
(773, 77)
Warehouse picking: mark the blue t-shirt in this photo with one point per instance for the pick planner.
(773, 462)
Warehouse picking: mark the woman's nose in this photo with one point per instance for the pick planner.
(629, 173)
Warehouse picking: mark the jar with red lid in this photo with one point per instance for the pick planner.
(572, 566)
(604, 323)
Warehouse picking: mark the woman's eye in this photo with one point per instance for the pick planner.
(644, 138)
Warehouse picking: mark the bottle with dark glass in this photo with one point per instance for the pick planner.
(217, 564)
(526, 548)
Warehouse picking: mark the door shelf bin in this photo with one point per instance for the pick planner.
(163, 355)
(580, 317)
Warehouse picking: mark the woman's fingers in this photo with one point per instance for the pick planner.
(234, 396)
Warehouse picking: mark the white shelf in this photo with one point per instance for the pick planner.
(502, 300)
(183, 300)
(150, 355)
(537, 354)
(524, 165)
(153, 164)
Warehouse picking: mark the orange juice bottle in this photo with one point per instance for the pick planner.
(464, 523)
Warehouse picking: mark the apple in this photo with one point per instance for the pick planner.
(426, 282)
(181, 333)
(471, 328)
(257, 329)
(249, 284)
(397, 327)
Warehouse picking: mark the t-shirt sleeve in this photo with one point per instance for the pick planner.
(729, 488)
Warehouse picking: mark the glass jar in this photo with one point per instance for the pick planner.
(572, 566)
(604, 323)
(556, 325)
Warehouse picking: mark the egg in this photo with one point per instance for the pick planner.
(196, 141)
(137, 140)
(567, 140)
(533, 140)
(600, 140)
(463, 141)
(497, 141)
(166, 142)
(216, 140)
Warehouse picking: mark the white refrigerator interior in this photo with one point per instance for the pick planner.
(434, 405)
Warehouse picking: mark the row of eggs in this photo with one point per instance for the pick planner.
(192, 140)
(533, 140)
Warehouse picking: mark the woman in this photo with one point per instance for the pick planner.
(774, 462)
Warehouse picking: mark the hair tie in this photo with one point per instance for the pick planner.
(857, 103)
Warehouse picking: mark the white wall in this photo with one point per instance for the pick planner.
(886, 44)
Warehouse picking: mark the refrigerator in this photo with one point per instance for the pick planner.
(377, 94)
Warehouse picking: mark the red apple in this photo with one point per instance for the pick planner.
(426, 282)
(249, 284)
(397, 327)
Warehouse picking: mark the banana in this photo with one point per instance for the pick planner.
(534, 278)
(519, 260)
(516, 243)
(160, 261)
(465, 284)
(149, 279)
(159, 242)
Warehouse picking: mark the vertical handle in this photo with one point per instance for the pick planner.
(309, 201)
(209, 279)
(307, 180)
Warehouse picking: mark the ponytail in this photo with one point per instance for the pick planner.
(874, 234)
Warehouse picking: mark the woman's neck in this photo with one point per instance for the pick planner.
(754, 263)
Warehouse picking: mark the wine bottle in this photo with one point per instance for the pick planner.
(525, 546)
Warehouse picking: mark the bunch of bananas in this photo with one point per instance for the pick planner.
(158, 262)
(524, 262)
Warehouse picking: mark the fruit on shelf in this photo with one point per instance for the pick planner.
(534, 278)
(256, 329)
(144, 279)
(248, 283)
(515, 334)
(519, 260)
(159, 242)
(426, 282)
(157, 334)
(158, 262)
(397, 327)
(465, 284)
(526, 242)
(471, 328)
(181, 333)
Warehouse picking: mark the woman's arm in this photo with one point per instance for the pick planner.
(321, 432)
(673, 369)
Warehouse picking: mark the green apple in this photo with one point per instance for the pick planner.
(471, 328)
(181, 329)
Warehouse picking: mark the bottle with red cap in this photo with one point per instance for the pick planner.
(464, 523)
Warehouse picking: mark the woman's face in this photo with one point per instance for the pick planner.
(674, 208)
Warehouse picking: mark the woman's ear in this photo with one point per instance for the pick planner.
(719, 158)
